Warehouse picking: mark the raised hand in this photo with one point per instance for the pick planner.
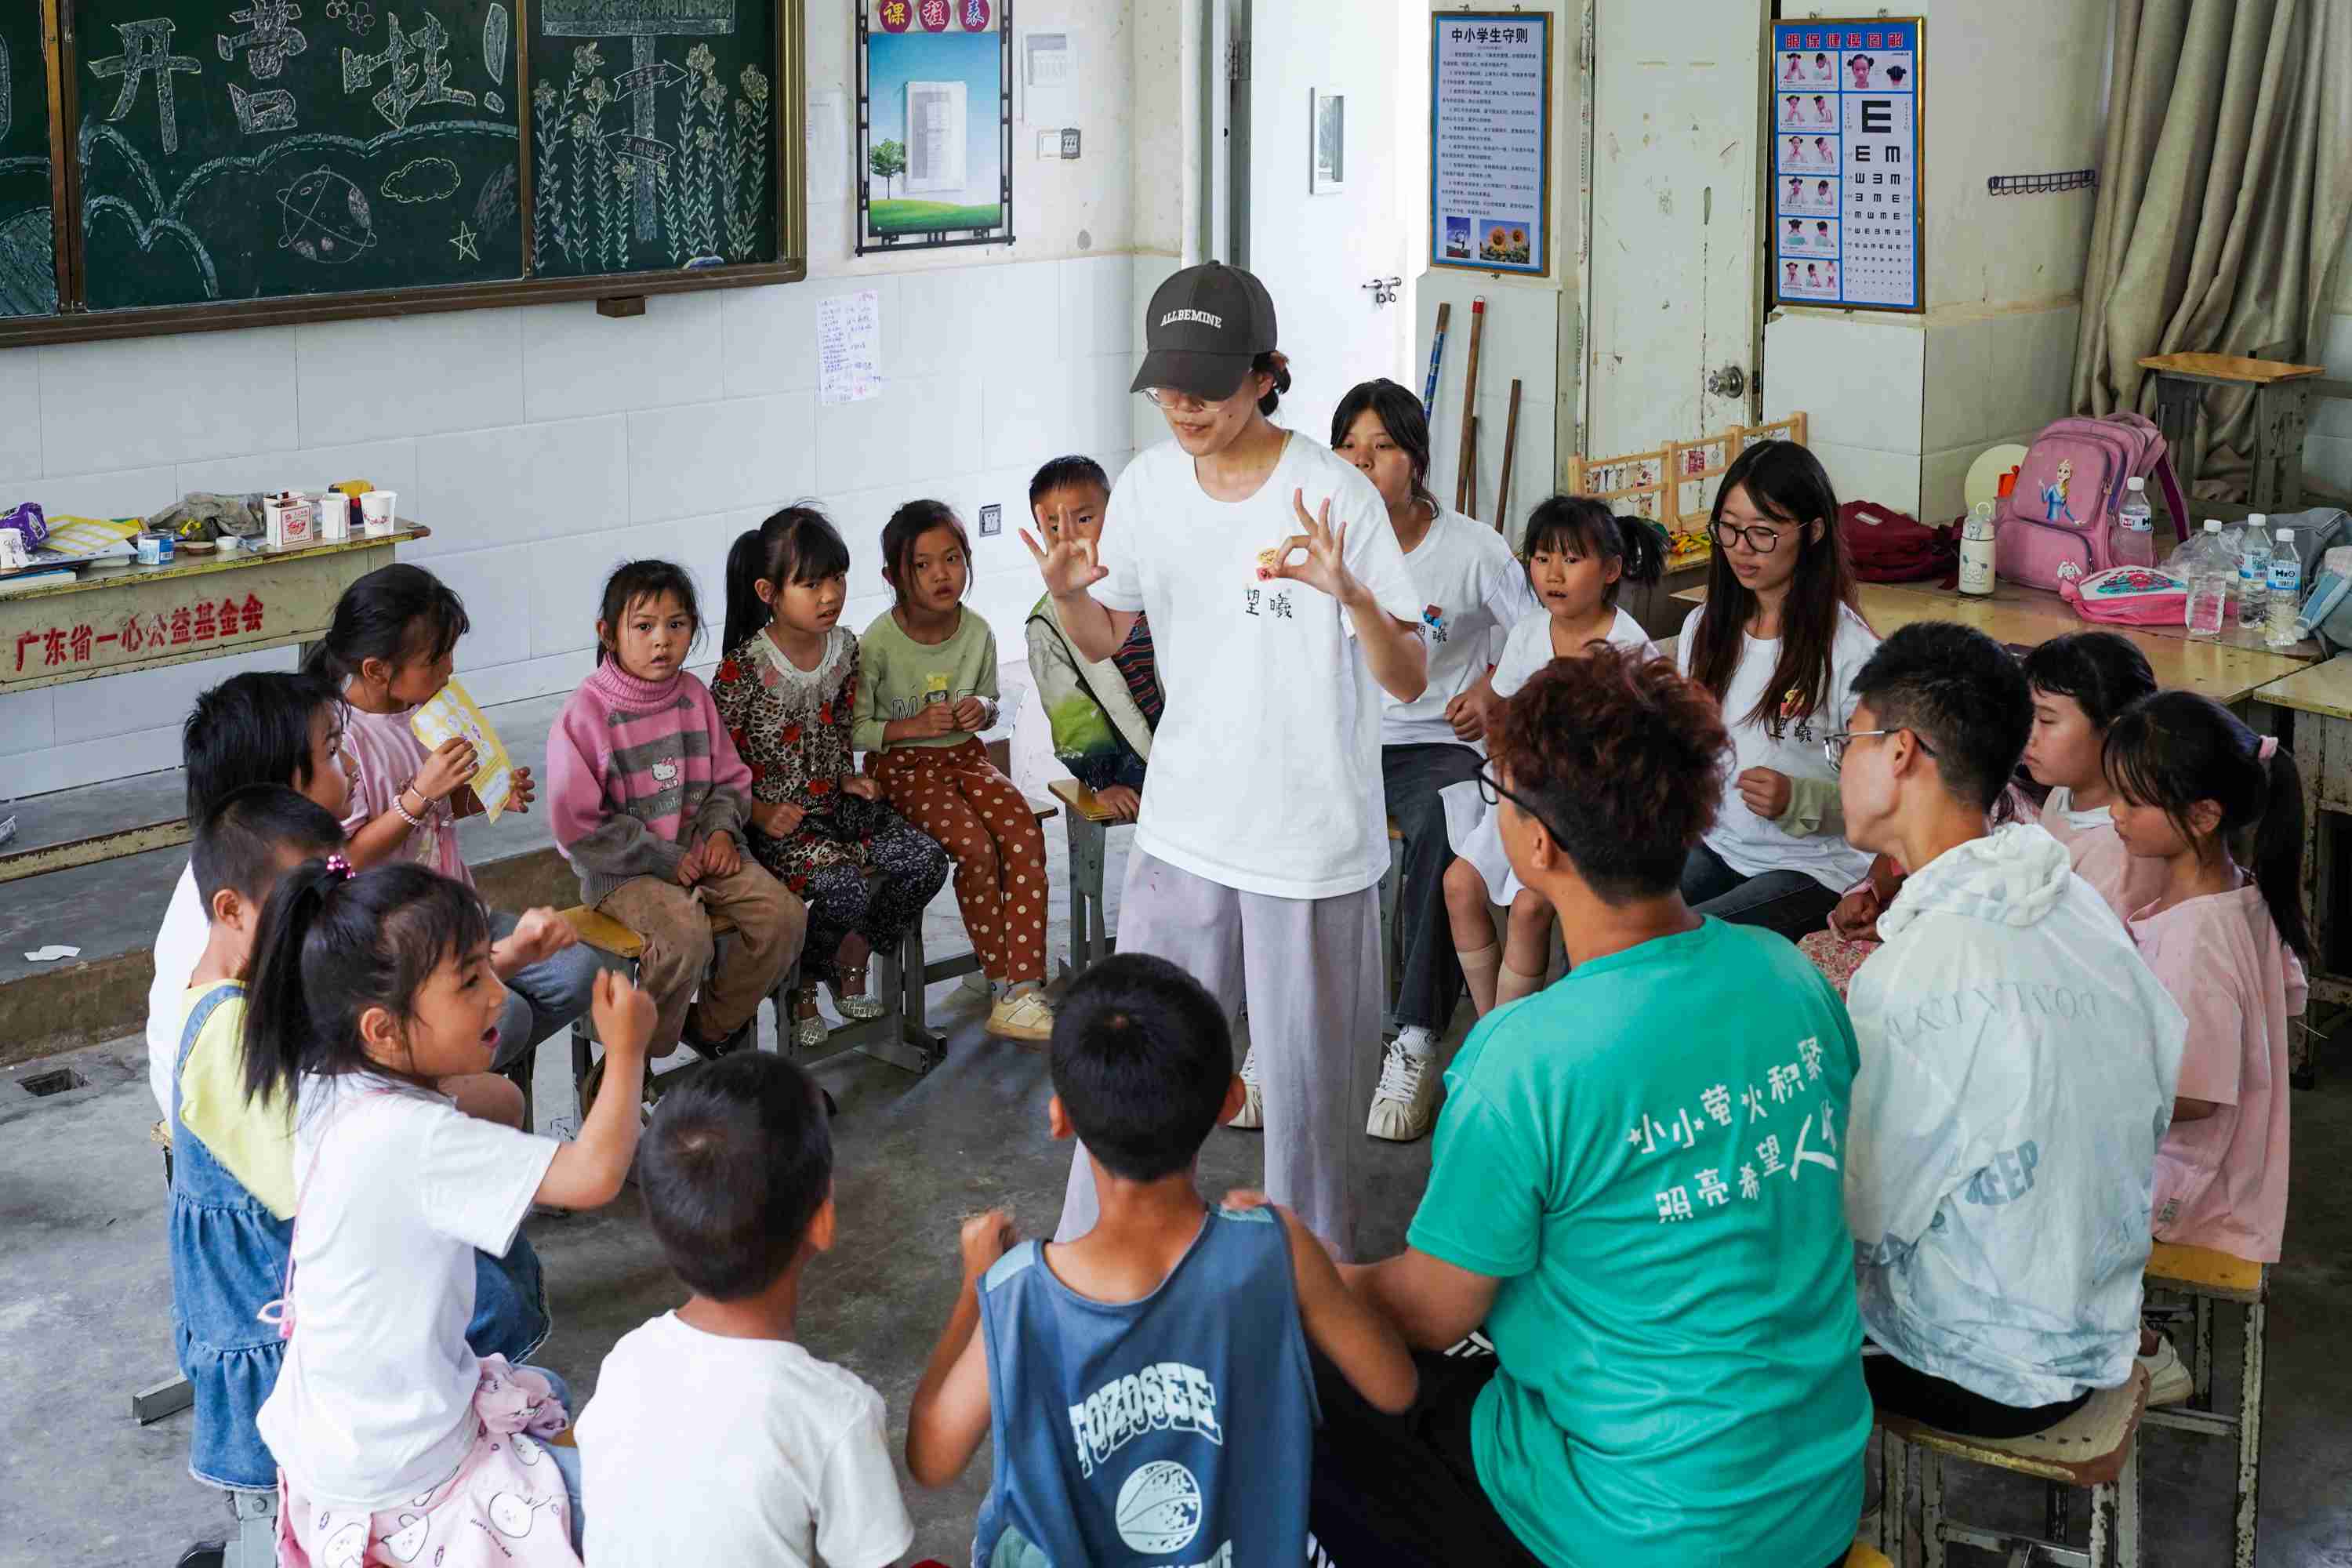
(1326, 566)
(1069, 567)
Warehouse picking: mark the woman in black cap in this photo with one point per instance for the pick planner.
(1280, 609)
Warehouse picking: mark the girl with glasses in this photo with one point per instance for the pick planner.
(1777, 642)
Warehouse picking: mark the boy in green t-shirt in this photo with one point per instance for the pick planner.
(1635, 1190)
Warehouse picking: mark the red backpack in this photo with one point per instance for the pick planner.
(1889, 546)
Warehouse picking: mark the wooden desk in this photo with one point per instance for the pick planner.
(2313, 709)
(2026, 617)
(144, 618)
(2282, 406)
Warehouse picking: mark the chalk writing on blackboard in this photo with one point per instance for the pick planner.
(147, 51)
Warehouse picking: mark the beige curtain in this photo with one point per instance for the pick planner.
(2223, 195)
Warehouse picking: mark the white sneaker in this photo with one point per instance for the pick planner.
(2168, 1381)
(1406, 1102)
(1026, 1018)
(1250, 1117)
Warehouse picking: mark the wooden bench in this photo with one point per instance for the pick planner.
(2096, 1447)
(2205, 1276)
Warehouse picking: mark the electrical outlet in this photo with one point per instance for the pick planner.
(1049, 146)
(992, 519)
(1070, 143)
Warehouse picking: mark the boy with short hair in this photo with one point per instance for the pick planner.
(1102, 714)
(737, 1172)
(1147, 1387)
(2018, 1065)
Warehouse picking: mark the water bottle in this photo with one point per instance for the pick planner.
(2286, 589)
(1977, 550)
(2255, 574)
(2135, 514)
(2210, 575)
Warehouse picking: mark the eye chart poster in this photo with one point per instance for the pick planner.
(1490, 140)
(1845, 163)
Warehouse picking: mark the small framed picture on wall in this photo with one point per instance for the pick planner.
(1327, 120)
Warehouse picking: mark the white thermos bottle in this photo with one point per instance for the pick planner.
(1976, 550)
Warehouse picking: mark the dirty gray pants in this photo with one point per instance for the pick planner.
(1310, 972)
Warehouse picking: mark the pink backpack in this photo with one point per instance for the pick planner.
(2069, 489)
(2125, 595)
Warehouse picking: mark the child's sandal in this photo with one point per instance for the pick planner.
(849, 995)
(809, 1029)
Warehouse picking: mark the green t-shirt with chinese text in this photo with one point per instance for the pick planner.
(1647, 1156)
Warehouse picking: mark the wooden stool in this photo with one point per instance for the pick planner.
(2282, 405)
(1088, 825)
(2206, 1277)
(2094, 1447)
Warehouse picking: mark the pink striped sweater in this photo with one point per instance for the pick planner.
(638, 771)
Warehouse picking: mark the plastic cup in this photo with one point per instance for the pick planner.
(376, 514)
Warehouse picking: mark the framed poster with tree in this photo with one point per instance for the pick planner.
(934, 123)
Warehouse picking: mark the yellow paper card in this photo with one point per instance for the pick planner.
(452, 714)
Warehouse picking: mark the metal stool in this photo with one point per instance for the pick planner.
(2206, 1277)
(2094, 1447)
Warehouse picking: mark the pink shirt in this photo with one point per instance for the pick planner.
(2099, 856)
(384, 754)
(2222, 1182)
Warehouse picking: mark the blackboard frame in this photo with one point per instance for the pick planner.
(620, 292)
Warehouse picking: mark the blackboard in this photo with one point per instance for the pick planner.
(235, 150)
(28, 253)
(654, 134)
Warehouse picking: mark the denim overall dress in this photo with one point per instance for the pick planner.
(229, 1260)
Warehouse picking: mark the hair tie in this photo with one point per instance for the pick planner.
(340, 867)
(2267, 748)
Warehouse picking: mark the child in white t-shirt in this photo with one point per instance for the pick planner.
(738, 1177)
(1579, 556)
(2082, 683)
(388, 1430)
(1778, 642)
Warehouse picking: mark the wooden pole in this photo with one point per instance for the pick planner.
(1466, 483)
(1510, 450)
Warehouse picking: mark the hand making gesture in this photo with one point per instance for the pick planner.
(1069, 567)
(1326, 566)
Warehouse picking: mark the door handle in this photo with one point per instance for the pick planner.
(1729, 382)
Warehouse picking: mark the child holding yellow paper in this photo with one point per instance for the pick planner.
(389, 648)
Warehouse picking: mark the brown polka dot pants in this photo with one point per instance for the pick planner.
(958, 796)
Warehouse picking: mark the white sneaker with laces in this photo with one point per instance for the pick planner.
(1252, 1115)
(1406, 1102)
(2168, 1381)
(1027, 1018)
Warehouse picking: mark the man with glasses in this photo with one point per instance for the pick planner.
(2019, 1066)
(1281, 609)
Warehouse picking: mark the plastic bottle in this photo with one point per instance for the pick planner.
(1977, 550)
(2210, 575)
(2135, 513)
(2255, 574)
(2287, 588)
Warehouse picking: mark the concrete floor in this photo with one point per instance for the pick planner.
(84, 1298)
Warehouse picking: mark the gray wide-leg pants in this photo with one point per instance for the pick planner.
(1310, 972)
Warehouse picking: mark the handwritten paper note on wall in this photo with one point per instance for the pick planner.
(849, 347)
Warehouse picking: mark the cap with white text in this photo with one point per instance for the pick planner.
(1205, 325)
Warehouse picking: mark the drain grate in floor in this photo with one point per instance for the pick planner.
(58, 1081)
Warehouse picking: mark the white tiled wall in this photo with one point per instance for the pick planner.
(544, 445)
(1858, 380)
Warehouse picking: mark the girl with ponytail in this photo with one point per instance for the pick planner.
(785, 689)
(366, 992)
(2221, 808)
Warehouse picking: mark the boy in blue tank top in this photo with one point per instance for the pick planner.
(1147, 1386)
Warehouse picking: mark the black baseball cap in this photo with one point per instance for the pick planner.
(1205, 325)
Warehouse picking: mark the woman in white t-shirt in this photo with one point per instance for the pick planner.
(1472, 593)
(1281, 610)
(387, 1429)
(1778, 642)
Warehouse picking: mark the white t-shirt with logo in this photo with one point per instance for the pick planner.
(397, 1189)
(1473, 591)
(1527, 647)
(1751, 845)
(1265, 768)
(699, 1448)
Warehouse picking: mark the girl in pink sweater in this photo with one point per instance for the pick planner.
(648, 803)
(2082, 683)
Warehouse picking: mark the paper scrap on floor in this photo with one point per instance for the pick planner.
(452, 714)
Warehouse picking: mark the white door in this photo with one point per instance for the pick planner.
(1674, 290)
(1315, 253)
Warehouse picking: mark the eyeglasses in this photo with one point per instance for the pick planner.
(1833, 746)
(1494, 793)
(1761, 540)
(1187, 403)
